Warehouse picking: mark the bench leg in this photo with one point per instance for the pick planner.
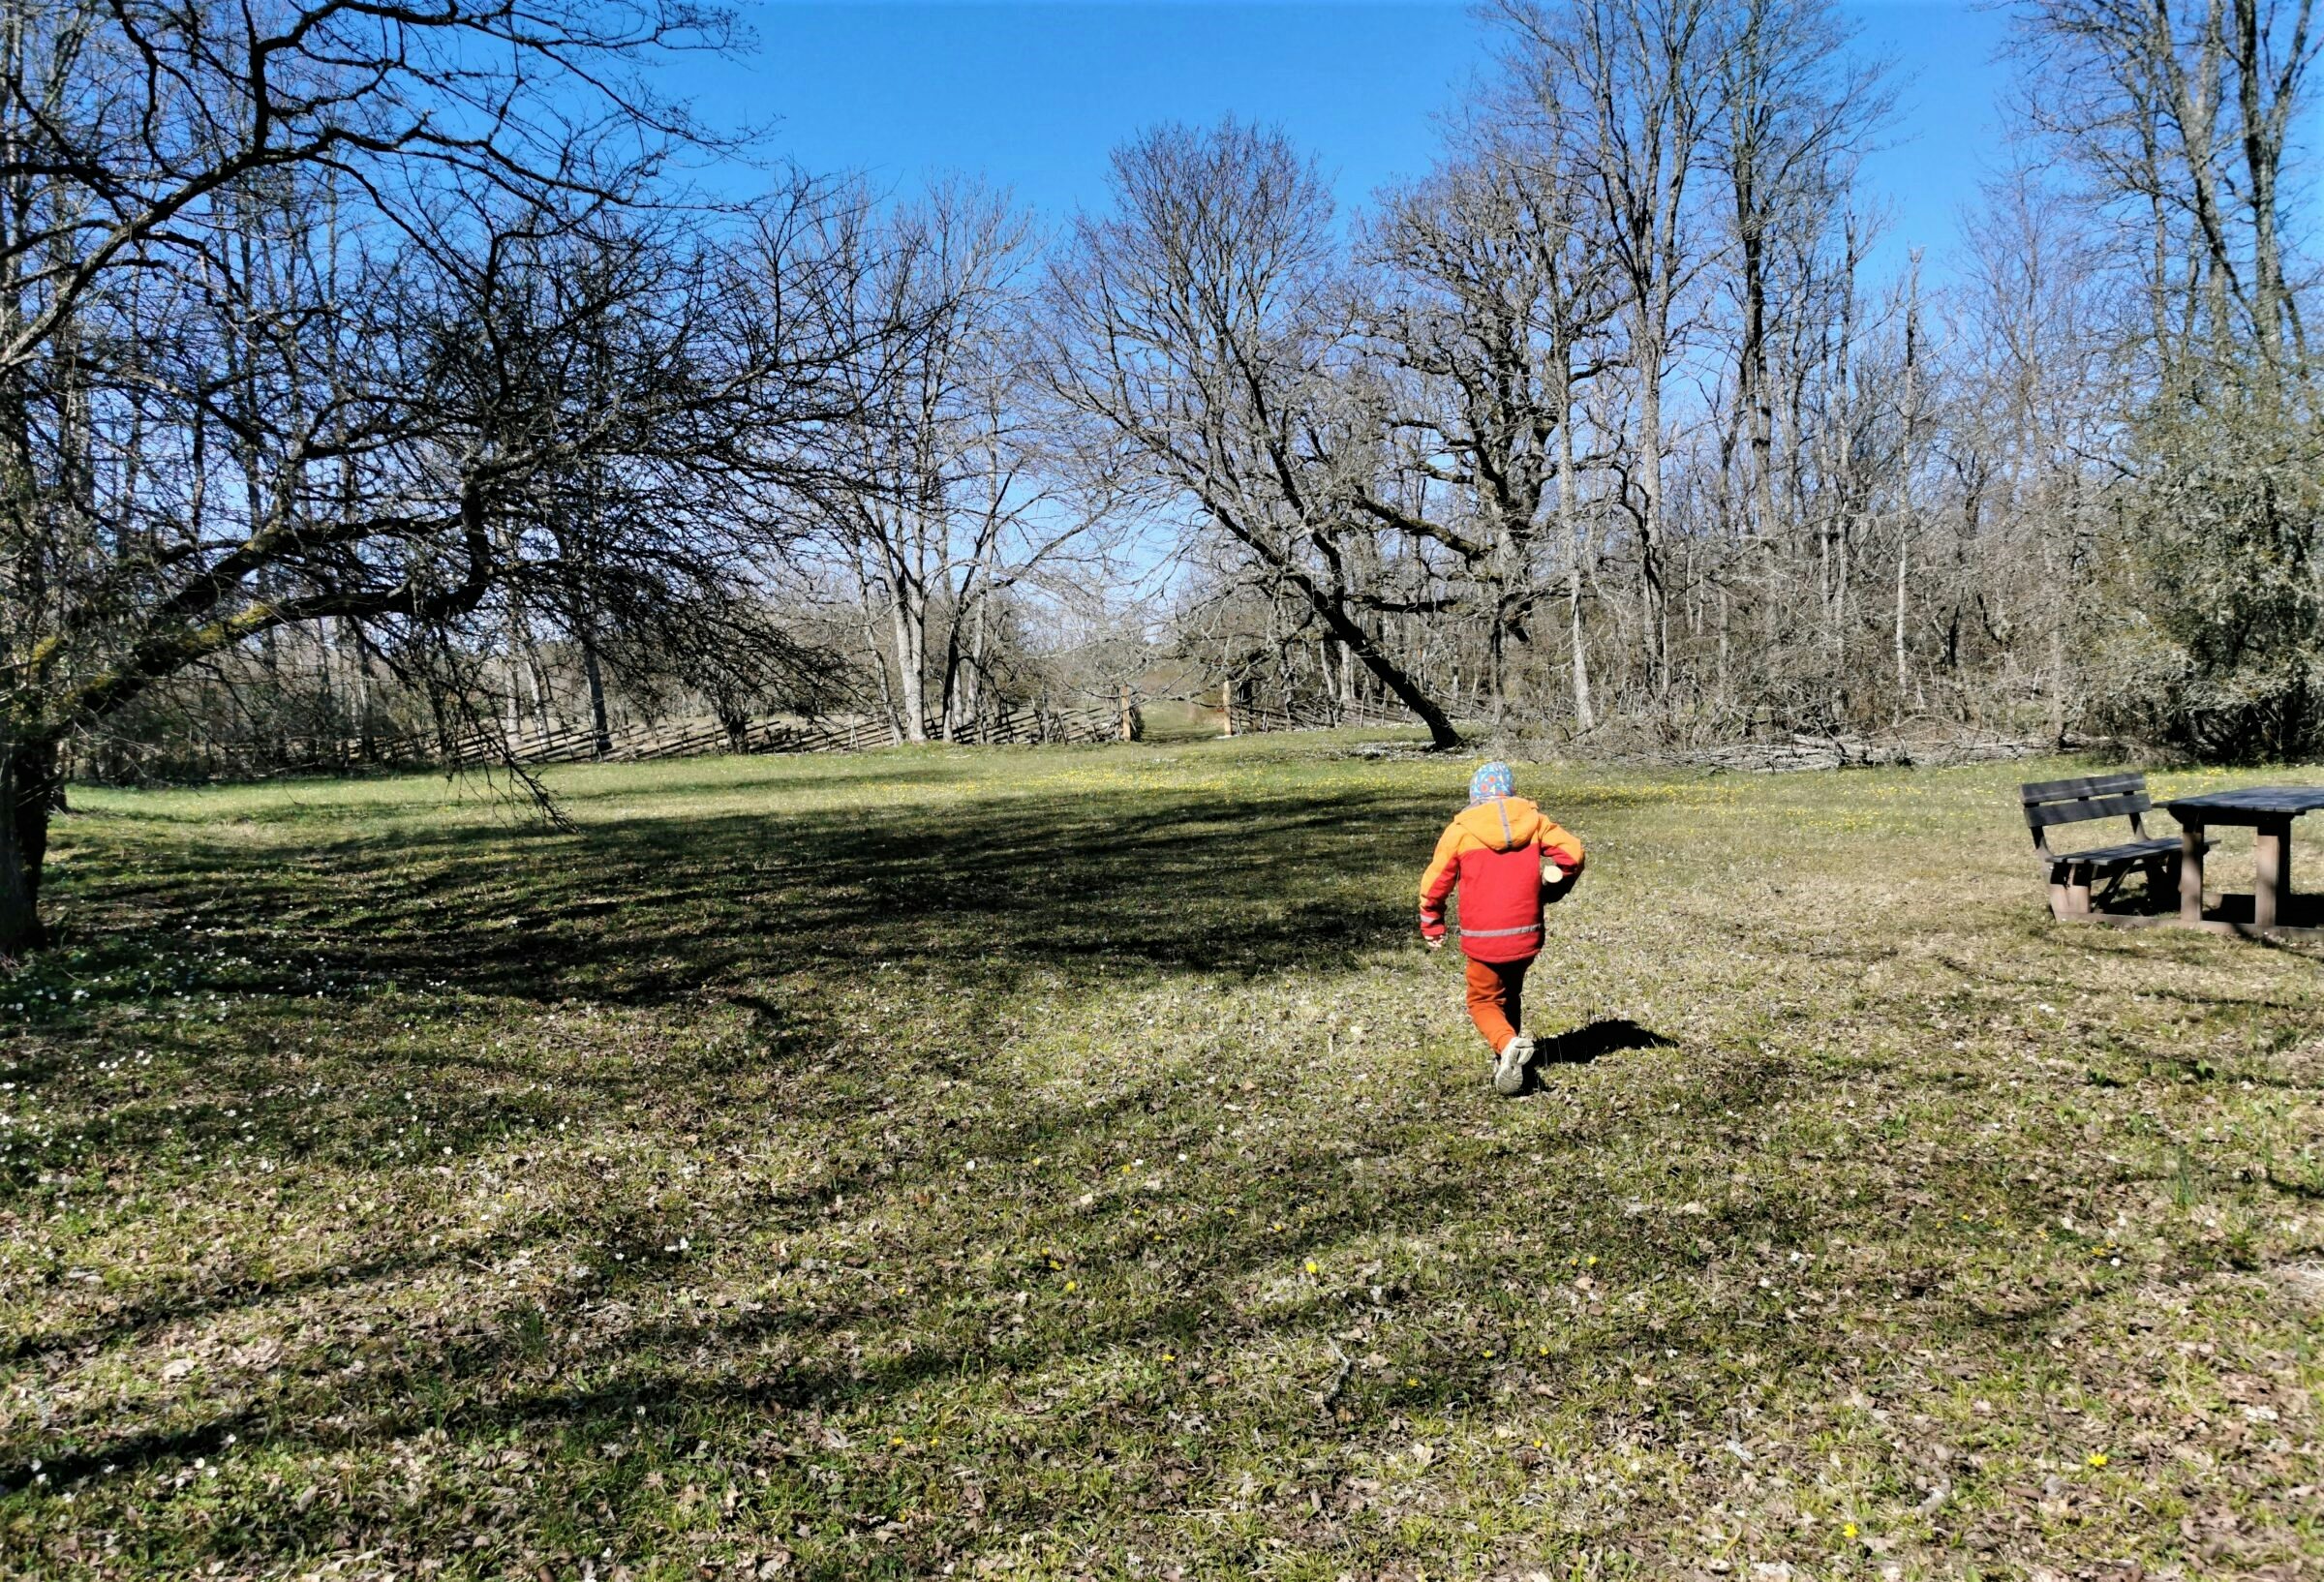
(2191, 872)
(2061, 900)
(2273, 877)
(2077, 890)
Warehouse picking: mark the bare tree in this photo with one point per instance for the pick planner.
(2181, 124)
(949, 496)
(1643, 80)
(1201, 327)
(1488, 285)
(374, 431)
(2036, 422)
(2180, 120)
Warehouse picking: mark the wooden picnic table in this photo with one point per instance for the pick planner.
(2269, 810)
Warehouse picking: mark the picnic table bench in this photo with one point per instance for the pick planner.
(2173, 866)
(2050, 804)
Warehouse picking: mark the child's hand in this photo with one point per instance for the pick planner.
(1438, 943)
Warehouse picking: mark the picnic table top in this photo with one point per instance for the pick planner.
(2266, 800)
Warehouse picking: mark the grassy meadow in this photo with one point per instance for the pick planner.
(1068, 1163)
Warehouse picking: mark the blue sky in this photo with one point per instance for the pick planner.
(1033, 94)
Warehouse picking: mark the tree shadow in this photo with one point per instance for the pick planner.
(663, 1366)
(781, 931)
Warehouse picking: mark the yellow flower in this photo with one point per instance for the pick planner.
(1168, 1357)
(1072, 1286)
(2097, 1458)
(1312, 1267)
(1591, 1261)
(1848, 1531)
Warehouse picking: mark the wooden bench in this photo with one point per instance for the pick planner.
(2052, 802)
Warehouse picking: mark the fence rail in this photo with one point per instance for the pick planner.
(1258, 718)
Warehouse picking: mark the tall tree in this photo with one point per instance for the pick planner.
(1202, 326)
(1489, 283)
(2180, 119)
(947, 498)
(2181, 124)
(1643, 80)
(367, 438)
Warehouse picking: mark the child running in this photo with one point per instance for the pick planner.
(1504, 853)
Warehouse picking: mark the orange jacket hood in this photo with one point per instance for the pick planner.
(1505, 823)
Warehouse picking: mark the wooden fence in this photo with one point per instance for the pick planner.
(1255, 718)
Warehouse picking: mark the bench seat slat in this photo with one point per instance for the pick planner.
(2127, 855)
(2076, 812)
(2095, 785)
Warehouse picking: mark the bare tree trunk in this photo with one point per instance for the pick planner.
(601, 737)
(1574, 533)
(2054, 557)
(516, 673)
(538, 674)
(29, 792)
(1721, 696)
(972, 678)
(1392, 676)
(1369, 654)
(1903, 676)
(908, 610)
(1911, 459)
(1653, 616)
(963, 651)
(879, 669)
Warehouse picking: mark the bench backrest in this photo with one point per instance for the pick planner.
(2073, 801)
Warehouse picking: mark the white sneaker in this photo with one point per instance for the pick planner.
(1509, 1068)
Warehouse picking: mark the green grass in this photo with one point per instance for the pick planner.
(1067, 1162)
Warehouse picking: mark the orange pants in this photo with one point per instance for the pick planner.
(1497, 998)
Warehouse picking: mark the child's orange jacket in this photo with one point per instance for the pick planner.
(1496, 852)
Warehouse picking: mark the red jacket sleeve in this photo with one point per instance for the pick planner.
(1559, 846)
(1437, 882)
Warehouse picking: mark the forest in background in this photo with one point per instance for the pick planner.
(369, 374)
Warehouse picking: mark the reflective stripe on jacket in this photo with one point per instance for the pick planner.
(1496, 852)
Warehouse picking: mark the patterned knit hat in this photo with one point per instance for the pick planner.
(1491, 781)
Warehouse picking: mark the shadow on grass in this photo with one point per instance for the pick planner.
(1594, 1041)
(654, 910)
(774, 1363)
(1005, 915)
